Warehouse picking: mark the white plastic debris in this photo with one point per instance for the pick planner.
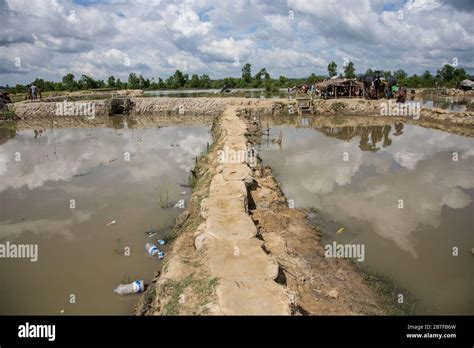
(132, 288)
(151, 249)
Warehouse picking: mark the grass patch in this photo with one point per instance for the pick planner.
(389, 291)
(186, 261)
(338, 106)
(7, 114)
(162, 198)
(201, 288)
(149, 295)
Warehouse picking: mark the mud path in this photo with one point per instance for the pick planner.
(241, 250)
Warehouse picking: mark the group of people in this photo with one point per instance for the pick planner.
(34, 93)
(377, 87)
(389, 91)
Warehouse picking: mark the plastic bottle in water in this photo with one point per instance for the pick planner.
(132, 288)
(152, 249)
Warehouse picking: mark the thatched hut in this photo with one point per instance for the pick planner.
(340, 87)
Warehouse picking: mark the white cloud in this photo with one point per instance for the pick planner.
(55, 36)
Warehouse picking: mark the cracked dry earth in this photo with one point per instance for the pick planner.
(244, 252)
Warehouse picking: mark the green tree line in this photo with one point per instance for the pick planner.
(447, 76)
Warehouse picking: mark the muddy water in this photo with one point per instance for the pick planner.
(412, 245)
(80, 258)
(457, 104)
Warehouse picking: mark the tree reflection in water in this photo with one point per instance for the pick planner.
(370, 136)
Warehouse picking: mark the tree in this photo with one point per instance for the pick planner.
(247, 73)
(427, 75)
(58, 86)
(312, 78)
(446, 73)
(400, 75)
(144, 83)
(133, 81)
(459, 75)
(332, 69)
(161, 83)
(283, 81)
(177, 80)
(87, 82)
(39, 83)
(111, 82)
(19, 89)
(68, 81)
(257, 80)
(119, 84)
(268, 84)
(194, 82)
(369, 72)
(451, 76)
(205, 81)
(349, 71)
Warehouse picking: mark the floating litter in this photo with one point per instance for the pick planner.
(160, 241)
(111, 222)
(151, 249)
(132, 288)
(150, 233)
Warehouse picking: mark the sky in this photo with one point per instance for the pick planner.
(294, 38)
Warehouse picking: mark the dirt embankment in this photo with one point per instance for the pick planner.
(242, 250)
(116, 122)
(148, 106)
(376, 107)
(186, 108)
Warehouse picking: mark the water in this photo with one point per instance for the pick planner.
(457, 104)
(385, 164)
(80, 257)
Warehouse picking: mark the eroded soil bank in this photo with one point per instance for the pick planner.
(185, 108)
(240, 249)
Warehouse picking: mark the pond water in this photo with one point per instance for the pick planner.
(446, 103)
(396, 189)
(82, 254)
